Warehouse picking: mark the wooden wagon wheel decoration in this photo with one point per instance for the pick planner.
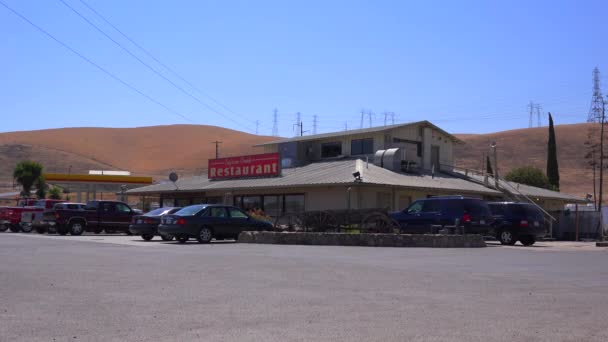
(378, 223)
(289, 222)
(326, 222)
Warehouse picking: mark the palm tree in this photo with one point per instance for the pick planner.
(27, 173)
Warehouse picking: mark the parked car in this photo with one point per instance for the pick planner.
(34, 212)
(41, 224)
(518, 221)
(470, 214)
(147, 225)
(208, 221)
(111, 216)
(10, 217)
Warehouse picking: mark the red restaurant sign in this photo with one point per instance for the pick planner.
(257, 165)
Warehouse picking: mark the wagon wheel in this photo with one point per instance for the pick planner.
(289, 222)
(378, 223)
(326, 222)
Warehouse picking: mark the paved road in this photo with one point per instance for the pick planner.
(112, 288)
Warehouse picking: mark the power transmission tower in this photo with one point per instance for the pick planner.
(299, 124)
(595, 112)
(217, 148)
(369, 115)
(539, 108)
(346, 126)
(257, 126)
(275, 123)
(388, 115)
(314, 124)
(531, 105)
(362, 117)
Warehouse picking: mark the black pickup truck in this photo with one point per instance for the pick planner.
(98, 216)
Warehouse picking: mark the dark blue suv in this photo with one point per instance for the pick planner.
(518, 221)
(422, 216)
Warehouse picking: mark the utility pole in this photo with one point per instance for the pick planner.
(369, 114)
(257, 126)
(346, 126)
(275, 123)
(314, 124)
(217, 148)
(495, 165)
(601, 237)
(362, 117)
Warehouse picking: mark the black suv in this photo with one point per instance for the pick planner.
(517, 221)
(207, 221)
(470, 214)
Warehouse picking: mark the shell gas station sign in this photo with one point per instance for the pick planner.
(257, 165)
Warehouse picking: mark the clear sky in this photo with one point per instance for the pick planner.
(468, 66)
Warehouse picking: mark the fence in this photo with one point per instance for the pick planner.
(566, 226)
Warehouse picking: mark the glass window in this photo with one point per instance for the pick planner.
(238, 201)
(431, 206)
(294, 203)
(252, 202)
(497, 209)
(158, 212)
(273, 205)
(214, 200)
(121, 208)
(182, 202)
(237, 213)
(362, 146)
(332, 149)
(416, 207)
(108, 207)
(168, 202)
(217, 212)
(190, 210)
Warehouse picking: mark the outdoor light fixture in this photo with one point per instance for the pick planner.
(357, 176)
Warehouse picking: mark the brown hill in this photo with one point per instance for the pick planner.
(528, 146)
(153, 151)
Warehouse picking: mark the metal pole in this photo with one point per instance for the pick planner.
(577, 227)
(601, 237)
(495, 171)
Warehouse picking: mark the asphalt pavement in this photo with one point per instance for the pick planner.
(119, 288)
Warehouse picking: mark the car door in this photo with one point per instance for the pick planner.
(239, 221)
(217, 218)
(409, 219)
(429, 216)
(122, 215)
(105, 217)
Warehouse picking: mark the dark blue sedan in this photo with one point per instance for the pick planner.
(205, 222)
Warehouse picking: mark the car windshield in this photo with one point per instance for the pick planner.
(191, 210)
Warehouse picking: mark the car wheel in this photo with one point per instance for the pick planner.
(507, 237)
(166, 237)
(14, 228)
(76, 228)
(3, 227)
(181, 239)
(527, 240)
(27, 229)
(147, 237)
(204, 235)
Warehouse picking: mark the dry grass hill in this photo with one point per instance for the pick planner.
(153, 151)
(156, 151)
(528, 146)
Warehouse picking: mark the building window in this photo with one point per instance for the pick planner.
(294, 204)
(252, 202)
(332, 149)
(273, 205)
(362, 146)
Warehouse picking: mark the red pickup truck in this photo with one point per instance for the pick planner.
(33, 213)
(10, 217)
(111, 216)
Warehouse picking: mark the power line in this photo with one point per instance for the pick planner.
(156, 59)
(116, 78)
(178, 87)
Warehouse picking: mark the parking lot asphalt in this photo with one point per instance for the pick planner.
(120, 288)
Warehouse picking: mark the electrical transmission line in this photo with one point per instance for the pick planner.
(175, 73)
(125, 49)
(102, 69)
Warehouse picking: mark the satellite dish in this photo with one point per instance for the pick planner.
(173, 177)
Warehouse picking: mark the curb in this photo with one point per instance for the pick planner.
(601, 244)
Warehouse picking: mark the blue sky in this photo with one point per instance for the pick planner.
(468, 66)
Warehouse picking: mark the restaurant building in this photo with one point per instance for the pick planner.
(379, 167)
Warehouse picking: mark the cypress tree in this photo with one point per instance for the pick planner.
(552, 167)
(489, 166)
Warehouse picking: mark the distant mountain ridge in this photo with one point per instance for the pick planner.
(157, 150)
